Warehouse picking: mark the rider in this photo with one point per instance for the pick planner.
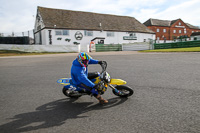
(79, 74)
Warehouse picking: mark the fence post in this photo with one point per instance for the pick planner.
(151, 44)
(79, 48)
(87, 50)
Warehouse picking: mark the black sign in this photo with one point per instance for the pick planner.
(78, 35)
(50, 37)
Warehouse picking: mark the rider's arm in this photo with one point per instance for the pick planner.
(92, 61)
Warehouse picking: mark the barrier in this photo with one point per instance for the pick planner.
(41, 48)
(137, 46)
(108, 47)
(177, 45)
(14, 40)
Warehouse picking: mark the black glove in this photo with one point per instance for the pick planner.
(96, 87)
(101, 62)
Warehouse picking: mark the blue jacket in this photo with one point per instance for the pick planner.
(79, 74)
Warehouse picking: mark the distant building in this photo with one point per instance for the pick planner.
(195, 36)
(170, 30)
(66, 27)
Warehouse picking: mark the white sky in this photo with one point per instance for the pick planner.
(19, 15)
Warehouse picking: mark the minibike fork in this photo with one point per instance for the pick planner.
(117, 91)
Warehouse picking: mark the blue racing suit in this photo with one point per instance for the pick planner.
(79, 75)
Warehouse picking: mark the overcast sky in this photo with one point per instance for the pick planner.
(19, 15)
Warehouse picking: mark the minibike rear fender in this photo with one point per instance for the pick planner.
(64, 81)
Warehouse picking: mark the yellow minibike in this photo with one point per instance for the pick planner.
(103, 80)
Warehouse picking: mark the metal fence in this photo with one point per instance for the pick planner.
(124, 47)
(137, 46)
(14, 40)
(28, 33)
(26, 37)
(185, 44)
(108, 47)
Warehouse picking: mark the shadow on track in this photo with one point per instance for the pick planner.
(54, 114)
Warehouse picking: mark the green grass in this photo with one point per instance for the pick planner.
(20, 53)
(192, 49)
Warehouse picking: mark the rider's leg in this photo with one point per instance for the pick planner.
(95, 93)
(101, 100)
(92, 75)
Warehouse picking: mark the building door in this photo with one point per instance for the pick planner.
(40, 38)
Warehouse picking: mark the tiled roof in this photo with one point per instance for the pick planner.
(192, 26)
(168, 23)
(157, 22)
(195, 34)
(90, 21)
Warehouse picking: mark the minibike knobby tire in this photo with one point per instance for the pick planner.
(126, 91)
(64, 90)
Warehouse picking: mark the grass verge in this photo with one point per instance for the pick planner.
(20, 53)
(192, 49)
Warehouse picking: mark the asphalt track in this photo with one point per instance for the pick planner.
(166, 98)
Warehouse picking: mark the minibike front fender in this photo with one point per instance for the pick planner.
(117, 82)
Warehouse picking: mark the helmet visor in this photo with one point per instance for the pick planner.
(85, 62)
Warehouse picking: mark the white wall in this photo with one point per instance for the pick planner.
(41, 48)
(117, 39)
(198, 37)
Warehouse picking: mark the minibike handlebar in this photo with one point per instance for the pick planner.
(103, 66)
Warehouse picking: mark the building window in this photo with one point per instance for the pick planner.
(158, 30)
(174, 31)
(185, 31)
(88, 33)
(179, 23)
(66, 32)
(179, 31)
(58, 32)
(110, 34)
(62, 32)
(164, 30)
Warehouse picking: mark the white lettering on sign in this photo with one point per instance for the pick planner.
(179, 26)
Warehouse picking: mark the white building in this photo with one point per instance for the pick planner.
(66, 27)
